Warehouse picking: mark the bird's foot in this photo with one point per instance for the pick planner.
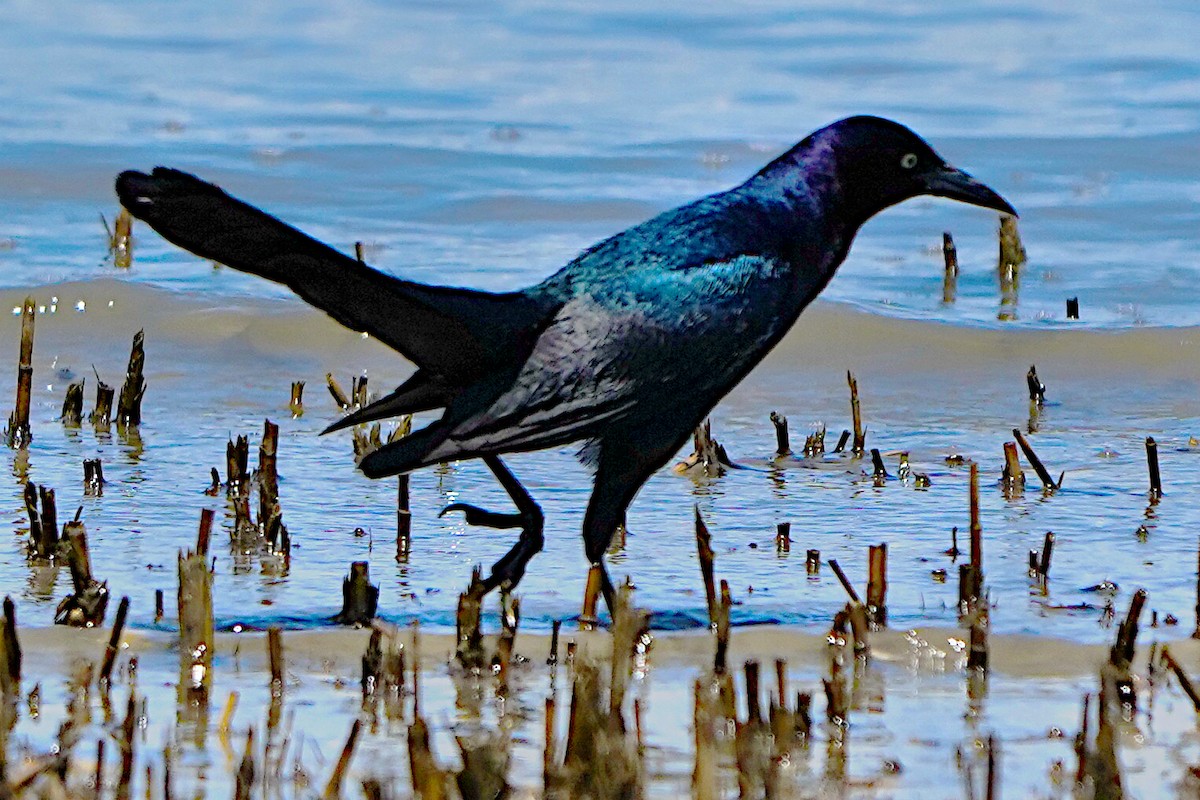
(481, 517)
(508, 571)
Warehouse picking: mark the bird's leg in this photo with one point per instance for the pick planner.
(509, 570)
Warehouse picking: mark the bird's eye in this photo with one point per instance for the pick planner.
(909, 161)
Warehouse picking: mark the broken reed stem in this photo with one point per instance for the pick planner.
(782, 445)
(101, 416)
(237, 467)
(1037, 389)
(121, 243)
(275, 659)
(721, 628)
(129, 405)
(591, 595)
(976, 529)
(860, 436)
(333, 789)
(195, 610)
(841, 576)
(1035, 462)
(1152, 463)
(1044, 562)
(360, 599)
(469, 649)
(93, 477)
(950, 276)
(72, 409)
(1012, 257)
(403, 518)
(126, 740)
(704, 552)
(10, 653)
(86, 605)
(783, 537)
(877, 585)
(814, 443)
(268, 474)
(19, 434)
(43, 527)
(339, 395)
(1185, 683)
(114, 642)
(296, 402)
(1013, 477)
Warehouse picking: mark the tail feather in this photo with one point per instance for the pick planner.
(456, 334)
(418, 393)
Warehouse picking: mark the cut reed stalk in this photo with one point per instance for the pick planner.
(19, 434)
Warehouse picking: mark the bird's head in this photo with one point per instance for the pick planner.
(859, 166)
(879, 163)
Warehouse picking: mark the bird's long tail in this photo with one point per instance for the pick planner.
(455, 334)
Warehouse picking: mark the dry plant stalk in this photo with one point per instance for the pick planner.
(18, 433)
(333, 789)
(275, 659)
(237, 467)
(129, 405)
(860, 436)
(120, 242)
(43, 527)
(704, 552)
(783, 537)
(338, 394)
(708, 458)
(1185, 683)
(753, 747)
(247, 772)
(296, 401)
(114, 642)
(101, 416)
(591, 596)
(85, 607)
(1011, 259)
(360, 599)
(1152, 462)
(877, 585)
(814, 443)
(469, 649)
(196, 611)
(1013, 477)
(510, 618)
(93, 477)
(10, 654)
(1116, 675)
(1037, 389)
(950, 275)
(1048, 482)
(782, 445)
(72, 409)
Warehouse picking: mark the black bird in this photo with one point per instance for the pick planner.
(627, 348)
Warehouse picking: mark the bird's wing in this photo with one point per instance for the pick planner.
(645, 344)
(455, 333)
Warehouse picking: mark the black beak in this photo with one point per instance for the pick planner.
(946, 181)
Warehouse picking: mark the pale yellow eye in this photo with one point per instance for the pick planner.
(909, 161)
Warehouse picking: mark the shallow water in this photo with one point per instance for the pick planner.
(485, 145)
